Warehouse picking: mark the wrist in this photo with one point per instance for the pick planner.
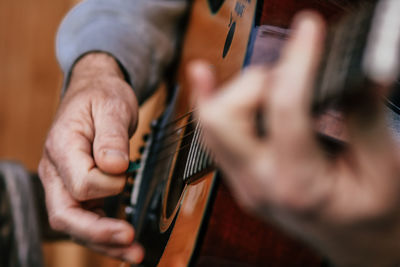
(96, 64)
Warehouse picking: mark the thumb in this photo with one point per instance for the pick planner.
(111, 141)
(201, 79)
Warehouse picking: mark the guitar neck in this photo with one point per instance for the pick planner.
(361, 55)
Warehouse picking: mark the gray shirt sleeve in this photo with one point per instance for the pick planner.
(140, 34)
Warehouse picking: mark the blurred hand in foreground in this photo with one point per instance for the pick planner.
(348, 207)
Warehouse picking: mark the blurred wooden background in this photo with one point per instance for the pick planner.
(29, 92)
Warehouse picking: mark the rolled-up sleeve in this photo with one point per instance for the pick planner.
(140, 34)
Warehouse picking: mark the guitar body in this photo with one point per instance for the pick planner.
(182, 212)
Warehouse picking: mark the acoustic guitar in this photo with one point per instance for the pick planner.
(181, 210)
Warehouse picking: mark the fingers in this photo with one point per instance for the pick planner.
(225, 115)
(88, 143)
(76, 166)
(91, 227)
(299, 180)
(66, 214)
(111, 143)
(110, 236)
(289, 105)
(113, 121)
(132, 253)
(202, 80)
(85, 155)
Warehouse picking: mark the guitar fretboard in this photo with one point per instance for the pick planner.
(199, 159)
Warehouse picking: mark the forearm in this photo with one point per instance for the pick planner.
(140, 35)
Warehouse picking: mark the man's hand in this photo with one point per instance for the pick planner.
(347, 207)
(86, 155)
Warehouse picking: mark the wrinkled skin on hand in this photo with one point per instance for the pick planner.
(347, 207)
(86, 154)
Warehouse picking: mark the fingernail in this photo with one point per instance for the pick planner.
(121, 238)
(112, 153)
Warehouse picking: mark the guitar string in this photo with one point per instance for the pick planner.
(164, 136)
(176, 151)
(175, 141)
(171, 123)
(158, 159)
(205, 162)
(160, 138)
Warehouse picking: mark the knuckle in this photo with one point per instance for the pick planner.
(125, 107)
(64, 137)
(79, 190)
(50, 142)
(118, 106)
(113, 138)
(118, 185)
(94, 237)
(42, 169)
(111, 190)
(115, 134)
(45, 170)
(57, 222)
(99, 236)
(117, 114)
(100, 95)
